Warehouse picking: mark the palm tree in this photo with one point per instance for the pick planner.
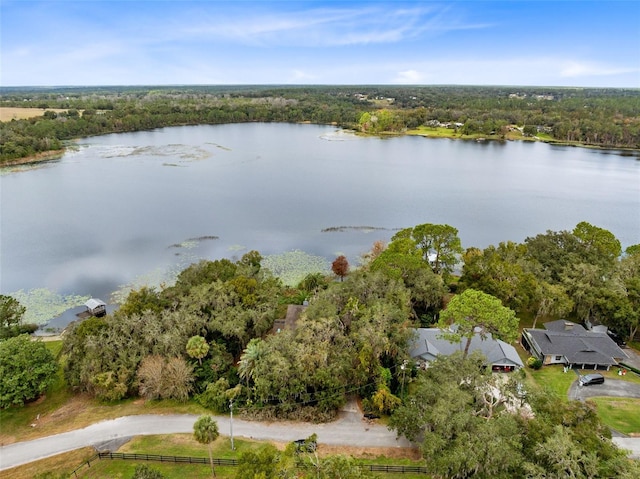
(205, 431)
(249, 359)
(197, 348)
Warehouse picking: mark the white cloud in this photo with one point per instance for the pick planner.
(299, 76)
(325, 27)
(581, 69)
(411, 77)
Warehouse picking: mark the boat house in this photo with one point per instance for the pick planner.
(96, 307)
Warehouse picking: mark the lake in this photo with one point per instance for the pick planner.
(128, 208)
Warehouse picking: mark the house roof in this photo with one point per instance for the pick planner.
(579, 346)
(428, 344)
(94, 303)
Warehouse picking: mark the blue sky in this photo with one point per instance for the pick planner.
(570, 43)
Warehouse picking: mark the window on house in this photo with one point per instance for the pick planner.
(558, 358)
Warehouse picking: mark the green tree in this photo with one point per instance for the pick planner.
(262, 463)
(27, 369)
(403, 261)
(503, 272)
(205, 431)
(444, 414)
(197, 348)
(599, 243)
(440, 245)
(552, 300)
(474, 311)
(11, 311)
(252, 354)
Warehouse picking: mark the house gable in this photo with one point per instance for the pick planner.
(573, 344)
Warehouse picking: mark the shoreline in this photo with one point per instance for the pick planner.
(37, 158)
(57, 154)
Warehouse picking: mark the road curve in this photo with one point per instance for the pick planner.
(349, 430)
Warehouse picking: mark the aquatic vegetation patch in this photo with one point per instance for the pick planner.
(219, 146)
(178, 151)
(191, 243)
(340, 135)
(364, 229)
(43, 304)
(159, 278)
(293, 266)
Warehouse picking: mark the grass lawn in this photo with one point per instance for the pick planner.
(622, 414)
(552, 379)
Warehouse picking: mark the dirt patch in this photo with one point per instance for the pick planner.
(325, 450)
(71, 409)
(370, 452)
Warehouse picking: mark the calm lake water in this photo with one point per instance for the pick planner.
(135, 205)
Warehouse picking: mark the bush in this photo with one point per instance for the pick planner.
(534, 363)
(145, 472)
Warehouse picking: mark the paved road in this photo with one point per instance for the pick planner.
(350, 429)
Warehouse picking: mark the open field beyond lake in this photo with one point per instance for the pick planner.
(8, 113)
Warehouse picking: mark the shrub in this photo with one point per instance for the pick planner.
(534, 363)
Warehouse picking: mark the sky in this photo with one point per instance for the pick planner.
(128, 42)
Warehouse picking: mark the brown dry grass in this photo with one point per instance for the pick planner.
(60, 464)
(8, 113)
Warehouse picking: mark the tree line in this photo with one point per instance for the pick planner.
(600, 117)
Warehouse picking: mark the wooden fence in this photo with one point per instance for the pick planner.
(401, 469)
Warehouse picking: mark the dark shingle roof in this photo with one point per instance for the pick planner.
(579, 346)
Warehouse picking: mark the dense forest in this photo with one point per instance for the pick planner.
(211, 337)
(607, 118)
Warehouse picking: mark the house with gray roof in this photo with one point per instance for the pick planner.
(568, 343)
(428, 344)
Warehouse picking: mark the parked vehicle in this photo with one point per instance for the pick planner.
(616, 338)
(589, 379)
(305, 445)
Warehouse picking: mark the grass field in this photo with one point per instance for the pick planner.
(442, 132)
(8, 113)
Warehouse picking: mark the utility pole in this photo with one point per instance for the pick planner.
(403, 367)
(231, 424)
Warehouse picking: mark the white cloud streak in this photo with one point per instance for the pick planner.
(327, 27)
